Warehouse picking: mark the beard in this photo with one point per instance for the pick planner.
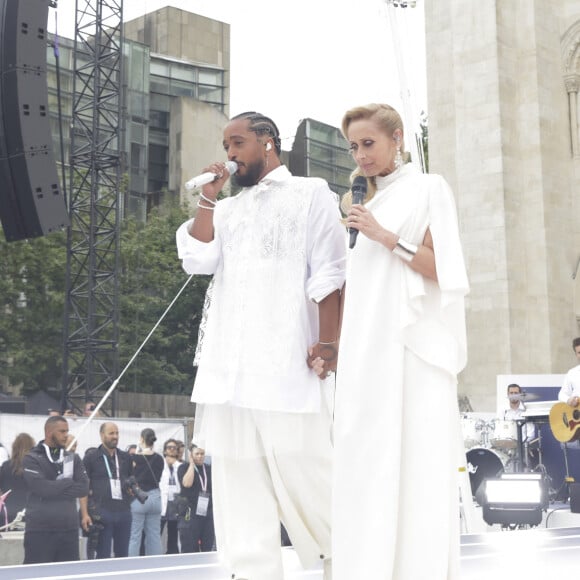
(251, 175)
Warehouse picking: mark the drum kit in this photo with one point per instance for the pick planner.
(492, 448)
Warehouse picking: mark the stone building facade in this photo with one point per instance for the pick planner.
(503, 80)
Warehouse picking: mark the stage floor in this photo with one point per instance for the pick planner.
(530, 554)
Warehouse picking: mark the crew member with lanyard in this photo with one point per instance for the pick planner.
(109, 500)
(196, 529)
(55, 479)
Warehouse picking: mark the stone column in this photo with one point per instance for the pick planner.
(572, 83)
(499, 132)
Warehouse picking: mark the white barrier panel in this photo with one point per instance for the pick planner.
(129, 430)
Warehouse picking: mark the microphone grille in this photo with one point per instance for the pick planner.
(231, 166)
(360, 181)
(359, 186)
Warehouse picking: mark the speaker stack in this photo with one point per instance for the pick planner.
(31, 201)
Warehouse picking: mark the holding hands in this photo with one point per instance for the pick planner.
(322, 358)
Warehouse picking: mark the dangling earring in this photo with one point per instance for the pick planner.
(398, 158)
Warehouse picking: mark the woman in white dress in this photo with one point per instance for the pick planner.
(397, 426)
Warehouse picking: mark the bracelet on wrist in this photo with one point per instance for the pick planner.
(331, 342)
(213, 202)
(405, 250)
(209, 207)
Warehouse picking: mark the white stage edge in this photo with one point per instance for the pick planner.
(531, 554)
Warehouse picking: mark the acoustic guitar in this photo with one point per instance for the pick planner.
(565, 422)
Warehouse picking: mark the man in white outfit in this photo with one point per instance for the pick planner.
(570, 391)
(277, 254)
(570, 394)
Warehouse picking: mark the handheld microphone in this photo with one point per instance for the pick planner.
(209, 176)
(359, 190)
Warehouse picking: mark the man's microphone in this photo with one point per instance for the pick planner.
(209, 176)
(359, 190)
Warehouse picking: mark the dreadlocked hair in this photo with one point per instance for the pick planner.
(262, 125)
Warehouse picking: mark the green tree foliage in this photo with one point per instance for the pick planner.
(32, 294)
(424, 122)
(32, 279)
(151, 278)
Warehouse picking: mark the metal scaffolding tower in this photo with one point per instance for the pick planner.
(91, 311)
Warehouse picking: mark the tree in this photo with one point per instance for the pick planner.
(32, 294)
(32, 278)
(424, 123)
(151, 277)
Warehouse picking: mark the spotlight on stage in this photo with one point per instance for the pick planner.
(515, 499)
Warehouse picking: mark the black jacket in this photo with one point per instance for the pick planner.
(16, 499)
(96, 466)
(52, 502)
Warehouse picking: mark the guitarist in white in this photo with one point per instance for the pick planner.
(570, 391)
(565, 417)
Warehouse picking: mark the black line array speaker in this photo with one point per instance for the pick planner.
(31, 201)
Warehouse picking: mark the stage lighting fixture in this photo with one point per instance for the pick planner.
(515, 499)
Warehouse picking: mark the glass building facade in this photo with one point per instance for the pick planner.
(168, 79)
(151, 82)
(154, 82)
(320, 150)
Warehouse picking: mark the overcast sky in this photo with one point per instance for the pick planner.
(304, 58)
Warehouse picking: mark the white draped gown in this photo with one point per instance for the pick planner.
(397, 429)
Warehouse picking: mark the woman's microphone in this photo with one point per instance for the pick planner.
(359, 190)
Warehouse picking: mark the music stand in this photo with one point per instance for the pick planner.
(538, 412)
(522, 460)
(524, 444)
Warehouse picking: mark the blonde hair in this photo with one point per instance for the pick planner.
(388, 120)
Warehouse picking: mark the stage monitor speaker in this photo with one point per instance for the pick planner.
(31, 201)
(575, 498)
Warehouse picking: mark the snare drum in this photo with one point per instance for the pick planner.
(504, 434)
(482, 464)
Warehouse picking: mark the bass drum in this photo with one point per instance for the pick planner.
(482, 464)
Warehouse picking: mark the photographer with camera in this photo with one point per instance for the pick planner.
(109, 501)
(55, 479)
(146, 507)
(92, 531)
